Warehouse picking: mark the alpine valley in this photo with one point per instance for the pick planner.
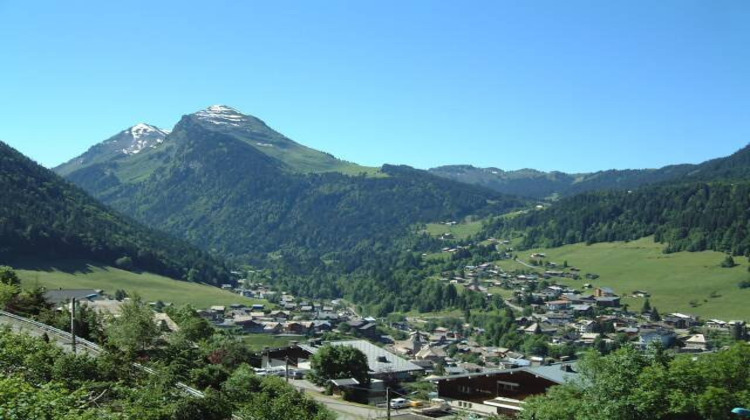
(326, 228)
(231, 185)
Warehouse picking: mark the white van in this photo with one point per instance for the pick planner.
(399, 403)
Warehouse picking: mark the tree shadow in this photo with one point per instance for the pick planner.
(69, 266)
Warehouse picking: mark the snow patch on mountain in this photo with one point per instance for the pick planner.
(140, 137)
(221, 115)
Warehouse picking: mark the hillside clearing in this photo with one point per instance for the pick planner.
(678, 282)
(459, 231)
(86, 275)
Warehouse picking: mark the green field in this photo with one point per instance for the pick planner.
(84, 275)
(460, 231)
(674, 280)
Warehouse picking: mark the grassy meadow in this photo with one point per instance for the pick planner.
(689, 282)
(460, 231)
(152, 287)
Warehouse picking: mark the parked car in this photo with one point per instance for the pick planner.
(399, 403)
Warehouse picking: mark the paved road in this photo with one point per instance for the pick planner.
(344, 410)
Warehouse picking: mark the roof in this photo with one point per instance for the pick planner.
(344, 382)
(61, 295)
(378, 360)
(556, 373)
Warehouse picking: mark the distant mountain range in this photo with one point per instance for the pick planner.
(545, 185)
(44, 216)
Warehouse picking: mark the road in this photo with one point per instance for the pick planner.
(344, 410)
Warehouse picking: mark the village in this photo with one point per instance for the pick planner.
(433, 368)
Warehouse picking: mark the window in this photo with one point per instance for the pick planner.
(507, 386)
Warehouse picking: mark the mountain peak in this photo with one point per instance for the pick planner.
(137, 138)
(221, 115)
(142, 129)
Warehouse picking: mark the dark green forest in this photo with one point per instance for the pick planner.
(686, 217)
(45, 216)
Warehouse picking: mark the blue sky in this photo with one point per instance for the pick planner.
(566, 85)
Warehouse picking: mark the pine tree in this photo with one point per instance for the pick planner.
(654, 315)
(646, 307)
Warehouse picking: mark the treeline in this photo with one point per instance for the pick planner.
(44, 216)
(629, 384)
(686, 217)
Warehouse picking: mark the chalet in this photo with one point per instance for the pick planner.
(280, 315)
(539, 328)
(582, 310)
(663, 336)
(301, 328)
(248, 325)
(413, 345)
(641, 293)
(675, 322)
(717, 324)
(365, 329)
(321, 325)
(608, 301)
(604, 292)
(558, 305)
(500, 392)
(695, 343)
(585, 326)
(557, 318)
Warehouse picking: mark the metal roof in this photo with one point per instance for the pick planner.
(379, 360)
(554, 373)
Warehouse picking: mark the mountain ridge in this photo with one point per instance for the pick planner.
(554, 184)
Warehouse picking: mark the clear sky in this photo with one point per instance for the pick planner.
(567, 85)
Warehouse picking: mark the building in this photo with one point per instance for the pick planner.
(382, 363)
(502, 391)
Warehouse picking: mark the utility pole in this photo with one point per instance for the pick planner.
(286, 372)
(73, 324)
(388, 402)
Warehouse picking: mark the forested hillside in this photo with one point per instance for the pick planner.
(221, 194)
(43, 215)
(322, 233)
(692, 217)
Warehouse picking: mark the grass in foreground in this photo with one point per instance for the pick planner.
(152, 287)
(689, 282)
